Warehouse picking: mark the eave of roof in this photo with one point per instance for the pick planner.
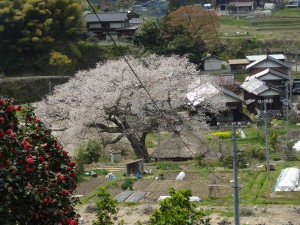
(268, 57)
(271, 71)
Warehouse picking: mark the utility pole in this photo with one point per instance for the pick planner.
(265, 101)
(296, 61)
(235, 171)
(158, 142)
(235, 176)
(238, 10)
(49, 88)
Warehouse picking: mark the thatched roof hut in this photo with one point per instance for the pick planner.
(182, 145)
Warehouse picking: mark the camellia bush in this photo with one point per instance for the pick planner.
(37, 177)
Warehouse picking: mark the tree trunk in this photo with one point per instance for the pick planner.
(138, 146)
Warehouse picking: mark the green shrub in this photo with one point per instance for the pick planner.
(178, 210)
(127, 184)
(256, 152)
(87, 153)
(168, 166)
(106, 208)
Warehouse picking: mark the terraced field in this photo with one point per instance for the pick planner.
(285, 27)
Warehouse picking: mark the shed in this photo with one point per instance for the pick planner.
(237, 65)
(242, 7)
(211, 62)
(135, 167)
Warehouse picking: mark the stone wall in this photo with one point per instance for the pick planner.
(29, 89)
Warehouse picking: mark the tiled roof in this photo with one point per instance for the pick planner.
(254, 86)
(268, 57)
(106, 17)
(259, 57)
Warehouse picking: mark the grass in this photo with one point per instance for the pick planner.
(287, 12)
(172, 166)
(234, 22)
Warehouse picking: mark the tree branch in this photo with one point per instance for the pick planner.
(106, 128)
(114, 141)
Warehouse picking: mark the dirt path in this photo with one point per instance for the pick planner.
(264, 214)
(267, 215)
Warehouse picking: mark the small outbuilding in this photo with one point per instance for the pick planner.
(211, 63)
(135, 167)
(238, 65)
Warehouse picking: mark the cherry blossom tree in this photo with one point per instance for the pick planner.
(113, 99)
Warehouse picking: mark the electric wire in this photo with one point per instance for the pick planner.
(133, 71)
(123, 56)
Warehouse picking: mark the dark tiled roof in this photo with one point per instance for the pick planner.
(106, 17)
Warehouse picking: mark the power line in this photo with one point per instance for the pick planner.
(122, 55)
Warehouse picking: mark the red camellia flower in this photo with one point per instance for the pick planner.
(2, 101)
(9, 131)
(60, 176)
(65, 192)
(59, 212)
(26, 145)
(18, 108)
(1, 120)
(30, 160)
(10, 108)
(28, 169)
(57, 145)
(41, 158)
(72, 164)
(72, 222)
(2, 134)
(73, 174)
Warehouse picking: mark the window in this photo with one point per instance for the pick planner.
(240, 68)
(95, 25)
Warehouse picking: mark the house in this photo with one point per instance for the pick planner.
(211, 63)
(254, 90)
(241, 6)
(271, 76)
(233, 111)
(110, 25)
(238, 65)
(265, 62)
